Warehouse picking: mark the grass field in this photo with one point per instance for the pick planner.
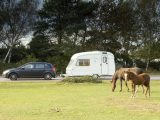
(50, 100)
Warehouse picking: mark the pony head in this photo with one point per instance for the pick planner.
(129, 75)
(126, 76)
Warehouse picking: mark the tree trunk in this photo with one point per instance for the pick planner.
(59, 38)
(75, 38)
(84, 37)
(147, 65)
(7, 55)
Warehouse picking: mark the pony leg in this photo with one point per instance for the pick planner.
(147, 91)
(137, 88)
(127, 85)
(114, 84)
(113, 87)
(134, 87)
(143, 89)
(121, 85)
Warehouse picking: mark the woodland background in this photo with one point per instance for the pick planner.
(130, 29)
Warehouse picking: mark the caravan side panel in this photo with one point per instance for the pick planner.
(96, 64)
(89, 63)
(83, 66)
(111, 63)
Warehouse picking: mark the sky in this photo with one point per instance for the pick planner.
(26, 39)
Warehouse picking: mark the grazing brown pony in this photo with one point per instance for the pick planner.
(141, 79)
(119, 74)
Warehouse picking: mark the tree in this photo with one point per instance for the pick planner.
(112, 28)
(40, 47)
(148, 52)
(52, 19)
(118, 26)
(19, 17)
(148, 32)
(63, 23)
(60, 19)
(101, 28)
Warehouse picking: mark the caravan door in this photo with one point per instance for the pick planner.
(104, 65)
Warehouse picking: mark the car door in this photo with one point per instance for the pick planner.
(27, 70)
(39, 69)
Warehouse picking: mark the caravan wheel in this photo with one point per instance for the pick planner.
(95, 76)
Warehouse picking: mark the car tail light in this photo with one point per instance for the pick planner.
(53, 69)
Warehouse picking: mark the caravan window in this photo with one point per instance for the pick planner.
(83, 62)
(104, 59)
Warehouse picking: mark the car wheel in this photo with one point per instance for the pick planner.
(47, 76)
(13, 76)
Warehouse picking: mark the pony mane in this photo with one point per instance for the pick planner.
(132, 73)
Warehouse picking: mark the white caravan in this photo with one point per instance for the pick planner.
(99, 63)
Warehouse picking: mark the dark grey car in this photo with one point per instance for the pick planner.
(31, 70)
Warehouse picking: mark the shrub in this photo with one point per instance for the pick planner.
(29, 58)
(81, 79)
(4, 66)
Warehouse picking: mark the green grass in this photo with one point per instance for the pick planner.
(84, 101)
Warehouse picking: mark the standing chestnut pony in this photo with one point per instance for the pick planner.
(119, 74)
(141, 79)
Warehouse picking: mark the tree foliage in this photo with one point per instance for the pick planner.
(130, 29)
(18, 17)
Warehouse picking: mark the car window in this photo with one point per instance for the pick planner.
(39, 66)
(47, 66)
(28, 66)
